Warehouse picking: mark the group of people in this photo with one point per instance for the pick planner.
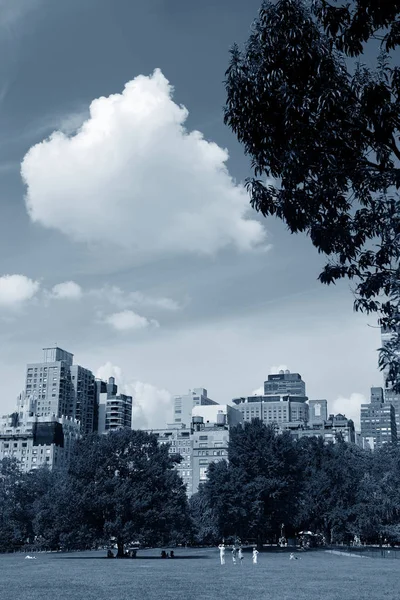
(237, 554)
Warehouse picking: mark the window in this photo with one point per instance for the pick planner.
(203, 437)
(203, 473)
(203, 445)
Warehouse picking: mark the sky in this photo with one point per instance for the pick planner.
(126, 234)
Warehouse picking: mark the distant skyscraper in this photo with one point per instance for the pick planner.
(183, 405)
(61, 388)
(378, 421)
(115, 410)
(50, 383)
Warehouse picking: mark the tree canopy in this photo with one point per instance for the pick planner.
(322, 132)
(336, 490)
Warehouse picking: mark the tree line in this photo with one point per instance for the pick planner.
(123, 488)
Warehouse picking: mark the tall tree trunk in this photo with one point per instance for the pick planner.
(120, 545)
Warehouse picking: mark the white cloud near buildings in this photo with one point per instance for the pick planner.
(151, 406)
(68, 290)
(350, 407)
(274, 370)
(133, 176)
(127, 320)
(15, 290)
(258, 392)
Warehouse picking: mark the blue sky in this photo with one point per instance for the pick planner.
(176, 282)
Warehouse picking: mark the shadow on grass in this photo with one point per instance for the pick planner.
(192, 557)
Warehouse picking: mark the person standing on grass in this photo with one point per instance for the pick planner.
(255, 555)
(240, 554)
(222, 553)
(234, 554)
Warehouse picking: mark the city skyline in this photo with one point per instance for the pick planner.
(217, 305)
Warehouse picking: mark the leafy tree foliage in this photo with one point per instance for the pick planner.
(337, 490)
(329, 496)
(14, 526)
(256, 491)
(204, 520)
(322, 133)
(128, 489)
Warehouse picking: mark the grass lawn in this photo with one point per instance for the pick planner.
(197, 574)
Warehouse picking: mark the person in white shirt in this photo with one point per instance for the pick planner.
(255, 555)
(222, 553)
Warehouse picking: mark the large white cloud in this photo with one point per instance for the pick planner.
(16, 289)
(151, 406)
(134, 176)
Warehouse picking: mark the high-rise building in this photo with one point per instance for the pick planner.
(61, 388)
(378, 420)
(183, 405)
(115, 410)
(85, 406)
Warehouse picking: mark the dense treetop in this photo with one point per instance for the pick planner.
(322, 132)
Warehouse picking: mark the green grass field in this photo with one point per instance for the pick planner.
(197, 574)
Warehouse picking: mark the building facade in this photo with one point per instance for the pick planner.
(115, 410)
(318, 412)
(284, 401)
(204, 442)
(331, 429)
(181, 444)
(35, 440)
(273, 409)
(284, 383)
(62, 389)
(378, 420)
(210, 445)
(183, 405)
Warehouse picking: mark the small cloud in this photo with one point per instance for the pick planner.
(274, 370)
(17, 289)
(68, 290)
(127, 320)
(350, 407)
